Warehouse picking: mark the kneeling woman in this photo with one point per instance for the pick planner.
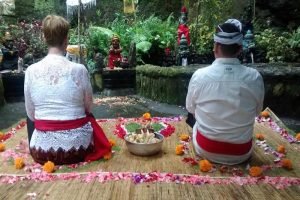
(58, 95)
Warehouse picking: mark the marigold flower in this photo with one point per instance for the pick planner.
(184, 137)
(19, 163)
(286, 163)
(107, 156)
(255, 171)
(298, 136)
(2, 147)
(205, 165)
(259, 136)
(265, 114)
(49, 167)
(281, 149)
(147, 116)
(112, 142)
(179, 149)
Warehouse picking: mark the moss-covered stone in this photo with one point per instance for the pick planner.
(175, 71)
(2, 100)
(278, 89)
(163, 83)
(170, 85)
(98, 81)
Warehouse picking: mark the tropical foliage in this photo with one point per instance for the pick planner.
(294, 41)
(211, 13)
(145, 33)
(277, 44)
(27, 37)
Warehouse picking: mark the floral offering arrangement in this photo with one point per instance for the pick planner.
(143, 137)
(129, 127)
(146, 127)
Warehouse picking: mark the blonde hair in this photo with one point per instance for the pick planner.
(55, 29)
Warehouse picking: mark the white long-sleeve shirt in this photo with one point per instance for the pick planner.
(58, 89)
(225, 97)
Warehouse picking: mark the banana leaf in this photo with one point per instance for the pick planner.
(104, 31)
(143, 46)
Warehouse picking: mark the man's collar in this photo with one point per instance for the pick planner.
(232, 61)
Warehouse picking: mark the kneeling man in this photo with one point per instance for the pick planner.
(225, 97)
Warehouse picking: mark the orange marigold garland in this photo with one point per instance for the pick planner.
(19, 163)
(49, 167)
(259, 136)
(255, 171)
(184, 137)
(112, 142)
(281, 149)
(265, 114)
(179, 149)
(147, 116)
(2, 147)
(205, 165)
(287, 164)
(298, 137)
(107, 156)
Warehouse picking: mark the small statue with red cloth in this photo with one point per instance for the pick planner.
(183, 39)
(183, 28)
(115, 57)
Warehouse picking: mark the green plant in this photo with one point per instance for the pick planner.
(157, 127)
(276, 44)
(98, 39)
(151, 32)
(131, 127)
(211, 13)
(294, 41)
(145, 33)
(73, 37)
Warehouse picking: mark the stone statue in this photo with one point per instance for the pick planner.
(248, 47)
(115, 57)
(9, 54)
(183, 52)
(132, 55)
(95, 67)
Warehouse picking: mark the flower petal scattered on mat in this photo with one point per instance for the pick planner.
(153, 177)
(190, 161)
(275, 127)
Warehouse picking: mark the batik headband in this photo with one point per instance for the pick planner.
(229, 38)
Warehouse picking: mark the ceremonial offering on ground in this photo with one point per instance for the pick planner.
(144, 142)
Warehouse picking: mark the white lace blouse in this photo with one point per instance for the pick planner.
(58, 89)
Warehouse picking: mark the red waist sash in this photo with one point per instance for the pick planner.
(101, 143)
(222, 147)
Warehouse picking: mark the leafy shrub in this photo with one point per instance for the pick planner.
(212, 12)
(276, 44)
(294, 41)
(145, 34)
(27, 38)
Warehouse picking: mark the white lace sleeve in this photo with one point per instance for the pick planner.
(28, 102)
(87, 91)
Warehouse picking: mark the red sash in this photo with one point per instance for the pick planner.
(222, 147)
(101, 143)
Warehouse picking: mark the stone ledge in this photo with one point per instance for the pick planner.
(2, 100)
(170, 84)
